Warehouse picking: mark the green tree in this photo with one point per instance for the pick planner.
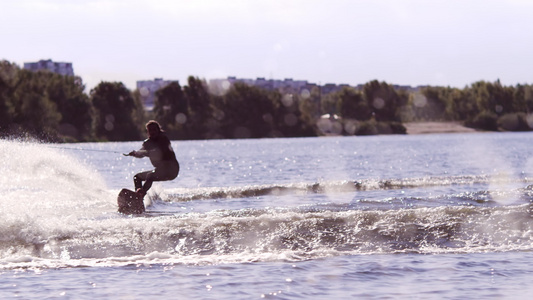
(329, 103)
(287, 117)
(247, 112)
(140, 115)
(486, 120)
(171, 108)
(75, 107)
(352, 105)
(43, 103)
(429, 104)
(524, 98)
(8, 74)
(33, 110)
(460, 106)
(492, 97)
(384, 100)
(519, 98)
(200, 109)
(309, 106)
(115, 112)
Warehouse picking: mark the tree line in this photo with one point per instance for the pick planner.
(54, 107)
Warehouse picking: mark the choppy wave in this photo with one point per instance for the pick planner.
(258, 235)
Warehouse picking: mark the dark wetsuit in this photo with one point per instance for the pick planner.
(161, 155)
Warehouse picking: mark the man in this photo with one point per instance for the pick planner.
(157, 147)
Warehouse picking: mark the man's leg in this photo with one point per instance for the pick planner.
(139, 178)
(150, 178)
(159, 174)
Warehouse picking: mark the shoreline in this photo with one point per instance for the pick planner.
(437, 127)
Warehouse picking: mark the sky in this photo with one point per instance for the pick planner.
(407, 42)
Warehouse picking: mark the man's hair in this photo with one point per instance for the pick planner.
(154, 123)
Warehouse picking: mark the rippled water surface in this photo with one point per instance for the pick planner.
(382, 217)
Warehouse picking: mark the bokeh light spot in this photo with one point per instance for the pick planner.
(268, 118)
(529, 120)
(226, 85)
(350, 128)
(144, 91)
(290, 119)
(181, 118)
(420, 100)
(109, 126)
(287, 100)
(378, 103)
(305, 94)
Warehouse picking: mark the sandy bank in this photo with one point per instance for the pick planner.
(436, 127)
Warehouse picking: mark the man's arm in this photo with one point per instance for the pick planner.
(139, 153)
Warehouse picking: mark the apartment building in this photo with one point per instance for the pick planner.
(63, 68)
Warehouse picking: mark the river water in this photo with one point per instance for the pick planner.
(441, 216)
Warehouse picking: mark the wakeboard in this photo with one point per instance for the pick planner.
(130, 203)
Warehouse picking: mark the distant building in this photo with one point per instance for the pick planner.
(218, 86)
(330, 88)
(147, 89)
(288, 85)
(62, 68)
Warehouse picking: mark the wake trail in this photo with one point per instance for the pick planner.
(346, 186)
